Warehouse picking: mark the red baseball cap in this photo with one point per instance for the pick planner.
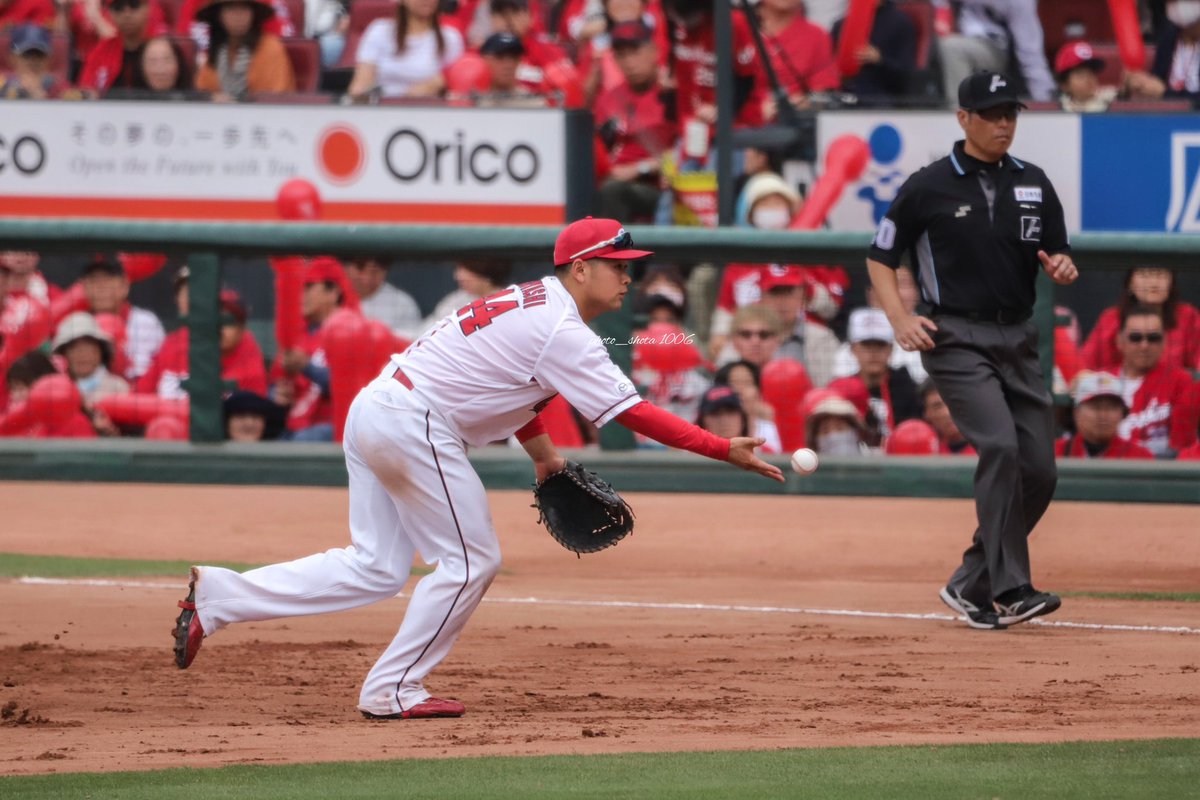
(595, 238)
(1076, 54)
(780, 275)
(322, 269)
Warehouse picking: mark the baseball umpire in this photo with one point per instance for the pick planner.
(980, 223)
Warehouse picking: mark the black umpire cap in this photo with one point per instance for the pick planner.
(987, 90)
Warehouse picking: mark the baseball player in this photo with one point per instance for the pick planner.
(479, 375)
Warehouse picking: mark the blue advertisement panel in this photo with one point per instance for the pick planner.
(1141, 173)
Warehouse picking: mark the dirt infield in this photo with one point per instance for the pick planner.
(724, 623)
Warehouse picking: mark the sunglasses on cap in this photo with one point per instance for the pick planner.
(621, 241)
(748, 334)
(1137, 337)
(122, 5)
(997, 113)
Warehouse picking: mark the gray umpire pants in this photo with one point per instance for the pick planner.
(989, 376)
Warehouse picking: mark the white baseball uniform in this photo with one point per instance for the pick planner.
(476, 377)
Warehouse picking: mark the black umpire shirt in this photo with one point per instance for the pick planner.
(974, 229)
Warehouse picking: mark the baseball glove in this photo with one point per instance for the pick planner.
(581, 510)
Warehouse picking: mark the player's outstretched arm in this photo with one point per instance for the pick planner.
(741, 454)
(539, 448)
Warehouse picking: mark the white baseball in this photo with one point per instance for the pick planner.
(804, 461)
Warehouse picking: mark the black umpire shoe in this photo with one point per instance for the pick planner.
(975, 616)
(1025, 603)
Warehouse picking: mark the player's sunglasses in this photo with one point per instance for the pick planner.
(747, 334)
(1137, 337)
(621, 241)
(997, 113)
(121, 5)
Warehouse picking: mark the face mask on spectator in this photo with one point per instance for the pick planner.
(838, 443)
(1184, 12)
(775, 219)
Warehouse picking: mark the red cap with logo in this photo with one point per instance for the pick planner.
(595, 238)
(1076, 54)
(780, 275)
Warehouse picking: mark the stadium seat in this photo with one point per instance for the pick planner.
(60, 54)
(296, 12)
(1064, 20)
(305, 55)
(1167, 106)
(362, 14)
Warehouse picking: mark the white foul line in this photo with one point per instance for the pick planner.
(827, 612)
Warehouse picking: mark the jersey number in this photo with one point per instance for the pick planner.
(481, 313)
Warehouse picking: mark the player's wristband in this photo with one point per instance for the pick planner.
(663, 426)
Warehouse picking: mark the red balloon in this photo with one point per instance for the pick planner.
(298, 199)
(666, 348)
(139, 266)
(856, 32)
(785, 381)
(344, 338)
(469, 74)
(913, 438)
(167, 428)
(1128, 30)
(53, 400)
(845, 160)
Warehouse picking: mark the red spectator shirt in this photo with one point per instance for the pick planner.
(1182, 346)
(1159, 415)
(243, 365)
(309, 406)
(85, 37)
(695, 59)
(802, 55)
(642, 124)
(1073, 447)
(105, 66)
(19, 12)
(545, 70)
(24, 325)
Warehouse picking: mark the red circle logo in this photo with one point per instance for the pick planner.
(341, 154)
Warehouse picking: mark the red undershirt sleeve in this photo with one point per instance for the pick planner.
(663, 426)
(532, 429)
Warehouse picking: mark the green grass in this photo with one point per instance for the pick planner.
(1165, 768)
(1169, 597)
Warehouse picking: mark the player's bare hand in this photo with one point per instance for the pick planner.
(544, 469)
(912, 332)
(294, 360)
(1059, 267)
(741, 454)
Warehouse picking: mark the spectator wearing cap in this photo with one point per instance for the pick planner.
(242, 58)
(1175, 72)
(379, 299)
(250, 417)
(800, 52)
(241, 358)
(13, 13)
(635, 125)
(988, 31)
(835, 428)
(502, 54)
(31, 78)
(937, 414)
(1156, 287)
(1160, 418)
(891, 390)
(88, 351)
(1099, 409)
(846, 364)
(887, 60)
(721, 413)
(746, 379)
(591, 24)
(106, 288)
(115, 62)
(404, 55)
(1078, 69)
(300, 376)
(476, 278)
(810, 343)
(545, 68)
(757, 333)
(188, 21)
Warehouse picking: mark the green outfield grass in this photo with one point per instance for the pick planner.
(17, 565)
(1164, 768)
(1168, 597)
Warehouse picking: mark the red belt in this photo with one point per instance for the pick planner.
(403, 379)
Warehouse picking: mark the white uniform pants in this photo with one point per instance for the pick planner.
(411, 489)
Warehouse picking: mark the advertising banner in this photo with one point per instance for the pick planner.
(1141, 173)
(204, 161)
(903, 142)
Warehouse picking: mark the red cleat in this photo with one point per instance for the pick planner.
(188, 632)
(427, 709)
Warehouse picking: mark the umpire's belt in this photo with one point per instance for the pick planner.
(1001, 316)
